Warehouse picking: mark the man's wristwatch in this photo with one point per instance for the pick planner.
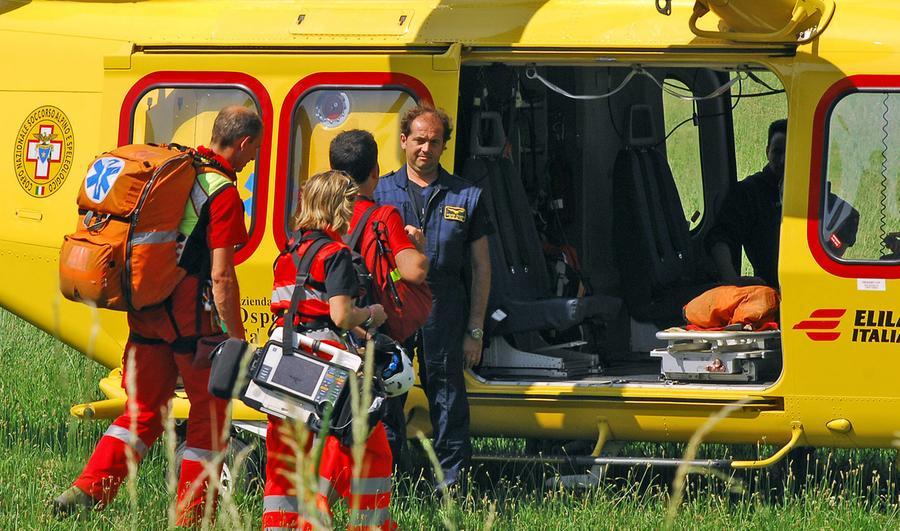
(368, 322)
(476, 333)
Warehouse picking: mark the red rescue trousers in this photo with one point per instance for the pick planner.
(157, 365)
(368, 496)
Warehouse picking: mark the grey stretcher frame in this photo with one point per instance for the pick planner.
(718, 356)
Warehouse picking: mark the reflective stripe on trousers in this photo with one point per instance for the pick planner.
(199, 468)
(368, 496)
(124, 435)
(156, 369)
(199, 454)
(286, 512)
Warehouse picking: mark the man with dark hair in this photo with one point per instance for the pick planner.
(163, 339)
(750, 217)
(456, 224)
(356, 153)
(412, 113)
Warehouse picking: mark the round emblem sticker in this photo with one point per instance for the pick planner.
(332, 108)
(43, 153)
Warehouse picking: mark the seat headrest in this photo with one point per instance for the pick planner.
(640, 131)
(488, 138)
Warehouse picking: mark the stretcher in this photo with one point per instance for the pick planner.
(723, 356)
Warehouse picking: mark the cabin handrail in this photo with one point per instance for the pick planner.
(807, 14)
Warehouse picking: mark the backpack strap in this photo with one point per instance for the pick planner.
(294, 240)
(203, 163)
(352, 239)
(383, 252)
(303, 266)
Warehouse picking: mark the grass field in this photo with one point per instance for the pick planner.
(42, 449)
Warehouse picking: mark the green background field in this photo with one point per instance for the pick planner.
(42, 448)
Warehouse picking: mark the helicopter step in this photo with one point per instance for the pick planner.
(596, 459)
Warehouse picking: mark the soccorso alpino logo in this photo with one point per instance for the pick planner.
(43, 151)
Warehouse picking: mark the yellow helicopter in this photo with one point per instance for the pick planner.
(547, 96)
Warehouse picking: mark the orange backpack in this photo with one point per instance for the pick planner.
(124, 253)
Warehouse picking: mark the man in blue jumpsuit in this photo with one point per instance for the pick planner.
(448, 209)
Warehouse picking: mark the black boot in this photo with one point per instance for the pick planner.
(73, 500)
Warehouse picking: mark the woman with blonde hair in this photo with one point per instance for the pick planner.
(328, 307)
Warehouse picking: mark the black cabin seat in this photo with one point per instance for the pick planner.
(521, 286)
(650, 233)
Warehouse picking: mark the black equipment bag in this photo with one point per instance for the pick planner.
(226, 365)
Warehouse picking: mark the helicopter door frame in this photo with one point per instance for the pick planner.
(214, 80)
(817, 177)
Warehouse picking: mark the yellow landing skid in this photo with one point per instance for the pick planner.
(594, 459)
(114, 405)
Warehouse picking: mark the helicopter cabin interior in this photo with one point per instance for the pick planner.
(603, 182)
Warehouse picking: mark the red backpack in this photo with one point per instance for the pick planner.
(407, 305)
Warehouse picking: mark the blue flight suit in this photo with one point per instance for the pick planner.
(451, 222)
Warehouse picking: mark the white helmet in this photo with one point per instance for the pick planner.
(397, 375)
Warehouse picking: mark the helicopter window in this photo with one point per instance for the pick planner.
(755, 104)
(859, 208)
(323, 113)
(185, 115)
(683, 149)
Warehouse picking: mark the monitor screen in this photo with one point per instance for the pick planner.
(298, 373)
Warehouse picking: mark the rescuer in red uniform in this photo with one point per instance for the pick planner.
(355, 152)
(329, 306)
(163, 339)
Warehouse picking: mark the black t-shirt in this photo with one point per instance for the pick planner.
(751, 218)
(420, 196)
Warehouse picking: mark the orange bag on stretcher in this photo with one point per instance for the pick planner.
(756, 306)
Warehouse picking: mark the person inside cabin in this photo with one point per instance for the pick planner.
(750, 218)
